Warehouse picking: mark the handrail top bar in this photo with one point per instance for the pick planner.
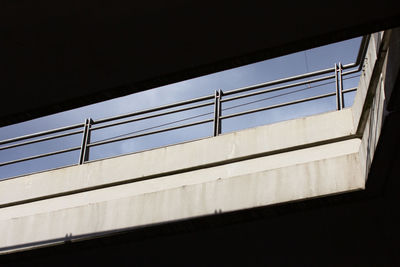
(28, 136)
(140, 112)
(269, 90)
(41, 139)
(289, 79)
(362, 51)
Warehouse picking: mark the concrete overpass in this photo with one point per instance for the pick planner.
(247, 175)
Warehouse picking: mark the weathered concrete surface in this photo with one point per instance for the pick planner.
(371, 78)
(273, 162)
(203, 153)
(369, 102)
(310, 172)
(288, 161)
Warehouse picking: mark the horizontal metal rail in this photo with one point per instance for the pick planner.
(148, 133)
(350, 72)
(29, 136)
(289, 79)
(266, 84)
(269, 90)
(41, 139)
(41, 156)
(190, 101)
(277, 106)
(350, 90)
(151, 116)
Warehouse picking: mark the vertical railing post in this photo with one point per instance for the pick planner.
(84, 155)
(340, 70)
(217, 112)
(339, 86)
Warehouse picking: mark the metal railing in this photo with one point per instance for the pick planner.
(337, 73)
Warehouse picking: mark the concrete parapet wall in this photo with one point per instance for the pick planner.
(268, 139)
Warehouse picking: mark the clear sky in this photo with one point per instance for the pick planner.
(281, 67)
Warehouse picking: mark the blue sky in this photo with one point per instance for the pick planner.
(286, 66)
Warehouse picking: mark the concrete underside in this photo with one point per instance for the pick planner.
(65, 55)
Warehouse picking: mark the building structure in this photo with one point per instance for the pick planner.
(352, 228)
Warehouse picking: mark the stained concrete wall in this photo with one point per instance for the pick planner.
(250, 143)
(369, 102)
(288, 161)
